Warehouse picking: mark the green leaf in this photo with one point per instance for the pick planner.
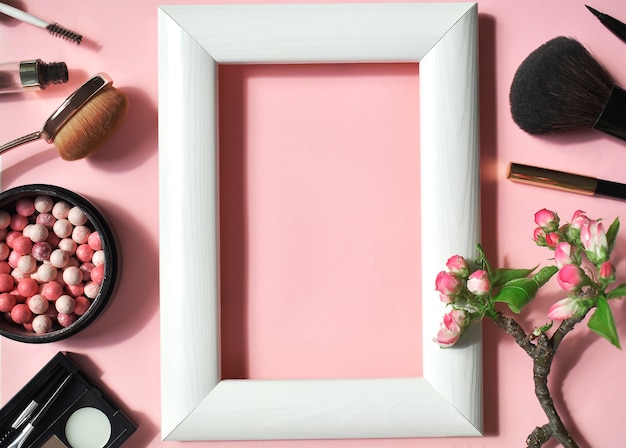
(517, 293)
(504, 275)
(611, 234)
(618, 292)
(602, 322)
(481, 260)
(545, 274)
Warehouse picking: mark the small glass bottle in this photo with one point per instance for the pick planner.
(31, 75)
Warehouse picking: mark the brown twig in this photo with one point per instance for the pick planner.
(542, 350)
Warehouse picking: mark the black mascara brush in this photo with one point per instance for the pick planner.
(53, 28)
(560, 87)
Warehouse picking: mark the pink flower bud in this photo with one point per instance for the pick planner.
(547, 220)
(451, 328)
(607, 272)
(578, 220)
(570, 277)
(593, 239)
(448, 286)
(552, 239)
(564, 254)
(539, 236)
(566, 309)
(457, 265)
(478, 283)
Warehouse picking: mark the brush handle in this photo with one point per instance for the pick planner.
(20, 141)
(21, 15)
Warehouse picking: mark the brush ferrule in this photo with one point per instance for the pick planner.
(612, 120)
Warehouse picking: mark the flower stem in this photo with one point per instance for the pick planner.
(542, 353)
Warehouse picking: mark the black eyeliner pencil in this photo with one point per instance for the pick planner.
(615, 26)
(559, 180)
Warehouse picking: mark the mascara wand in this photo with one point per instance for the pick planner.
(53, 28)
(560, 87)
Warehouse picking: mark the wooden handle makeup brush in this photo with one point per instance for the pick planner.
(560, 87)
(84, 122)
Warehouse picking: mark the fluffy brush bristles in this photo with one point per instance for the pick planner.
(559, 87)
(57, 30)
(92, 125)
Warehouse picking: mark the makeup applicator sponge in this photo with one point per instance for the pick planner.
(84, 122)
(560, 87)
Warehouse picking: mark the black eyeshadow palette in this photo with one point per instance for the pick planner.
(60, 407)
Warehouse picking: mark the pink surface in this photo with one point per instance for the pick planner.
(121, 349)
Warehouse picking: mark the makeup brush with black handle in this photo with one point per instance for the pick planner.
(560, 87)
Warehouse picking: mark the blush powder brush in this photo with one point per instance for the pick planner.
(84, 122)
(560, 87)
(53, 28)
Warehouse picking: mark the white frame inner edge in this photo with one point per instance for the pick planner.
(192, 41)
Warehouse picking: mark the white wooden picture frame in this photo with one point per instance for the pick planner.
(193, 40)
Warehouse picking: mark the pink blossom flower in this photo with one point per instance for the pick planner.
(564, 253)
(448, 286)
(566, 309)
(593, 239)
(547, 220)
(570, 277)
(552, 239)
(457, 265)
(607, 271)
(478, 283)
(451, 328)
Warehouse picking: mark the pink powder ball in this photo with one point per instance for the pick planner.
(91, 290)
(27, 264)
(6, 283)
(37, 233)
(97, 274)
(7, 302)
(62, 228)
(59, 258)
(25, 206)
(5, 219)
(72, 275)
(4, 267)
(13, 258)
(43, 203)
(52, 290)
(81, 305)
(84, 253)
(94, 241)
(46, 220)
(65, 320)
(18, 222)
(46, 272)
(64, 304)
(68, 245)
(5, 250)
(37, 304)
(61, 209)
(21, 314)
(80, 234)
(77, 216)
(53, 240)
(22, 245)
(11, 236)
(86, 269)
(27, 287)
(41, 251)
(98, 257)
(42, 324)
(75, 290)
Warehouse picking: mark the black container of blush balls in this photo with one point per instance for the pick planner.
(96, 222)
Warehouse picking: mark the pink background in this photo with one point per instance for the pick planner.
(121, 348)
